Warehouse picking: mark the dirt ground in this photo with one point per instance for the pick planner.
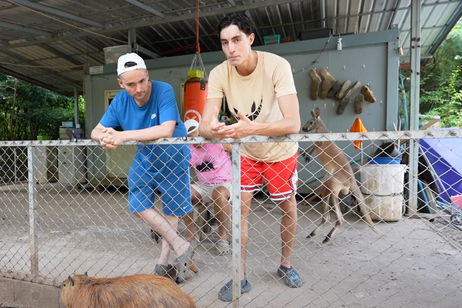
(409, 263)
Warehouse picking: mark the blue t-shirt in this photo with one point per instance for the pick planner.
(161, 107)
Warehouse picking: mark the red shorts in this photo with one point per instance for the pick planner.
(280, 176)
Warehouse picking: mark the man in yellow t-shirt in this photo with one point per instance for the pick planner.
(260, 92)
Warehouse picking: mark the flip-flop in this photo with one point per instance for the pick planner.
(183, 262)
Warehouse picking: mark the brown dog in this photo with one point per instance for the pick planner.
(136, 291)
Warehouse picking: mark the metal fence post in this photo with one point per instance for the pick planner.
(32, 190)
(415, 50)
(236, 223)
(15, 164)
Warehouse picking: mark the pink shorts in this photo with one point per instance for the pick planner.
(280, 176)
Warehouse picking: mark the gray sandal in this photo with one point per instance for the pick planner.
(182, 263)
(226, 292)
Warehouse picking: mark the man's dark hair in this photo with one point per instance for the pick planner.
(242, 21)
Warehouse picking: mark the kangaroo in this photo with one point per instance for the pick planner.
(339, 177)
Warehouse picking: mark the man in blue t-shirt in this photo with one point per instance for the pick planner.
(146, 110)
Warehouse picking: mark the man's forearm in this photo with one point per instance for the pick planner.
(276, 129)
(151, 133)
(205, 130)
(211, 111)
(97, 133)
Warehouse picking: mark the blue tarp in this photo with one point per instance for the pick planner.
(445, 156)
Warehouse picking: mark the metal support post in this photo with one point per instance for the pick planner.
(236, 223)
(33, 245)
(414, 102)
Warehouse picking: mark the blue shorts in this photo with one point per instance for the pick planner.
(173, 184)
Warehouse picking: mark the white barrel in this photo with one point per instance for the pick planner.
(386, 208)
(382, 186)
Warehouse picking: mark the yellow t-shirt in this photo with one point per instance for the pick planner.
(256, 96)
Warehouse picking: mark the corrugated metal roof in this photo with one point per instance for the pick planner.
(53, 42)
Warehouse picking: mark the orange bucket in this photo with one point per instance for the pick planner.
(195, 95)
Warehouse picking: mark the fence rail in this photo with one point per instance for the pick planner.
(63, 210)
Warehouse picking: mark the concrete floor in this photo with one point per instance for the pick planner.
(410, 263)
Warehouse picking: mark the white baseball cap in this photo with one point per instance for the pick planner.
(191, 125)
(129, 62)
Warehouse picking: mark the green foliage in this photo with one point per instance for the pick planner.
(450, 101)
(27, 111)
(441, 81)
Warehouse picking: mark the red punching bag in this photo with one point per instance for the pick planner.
(195, 96)
(195, 87)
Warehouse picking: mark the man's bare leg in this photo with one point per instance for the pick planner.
(166, 248)
(246, 202)
(288, 229)
(225, 293)
(220, 197)
(190, 226)
(162, 225)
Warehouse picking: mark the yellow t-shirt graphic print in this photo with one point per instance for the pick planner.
(255, 112)
(255, 95)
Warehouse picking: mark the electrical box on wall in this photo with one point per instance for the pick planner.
(314, 33)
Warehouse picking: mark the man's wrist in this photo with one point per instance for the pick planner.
(254, 129)
(124, 136)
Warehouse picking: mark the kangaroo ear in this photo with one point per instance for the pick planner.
(86, 274)
(71, 280)
(317, 112)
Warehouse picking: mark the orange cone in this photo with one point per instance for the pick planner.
(358, 127)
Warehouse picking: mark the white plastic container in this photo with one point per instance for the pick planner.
(385, 208)
(382, 180)
(382, 186)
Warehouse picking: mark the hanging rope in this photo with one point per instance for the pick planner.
(197, 16)
(195, 87)
(197, 68)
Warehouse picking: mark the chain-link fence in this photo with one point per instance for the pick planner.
(63, 210)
